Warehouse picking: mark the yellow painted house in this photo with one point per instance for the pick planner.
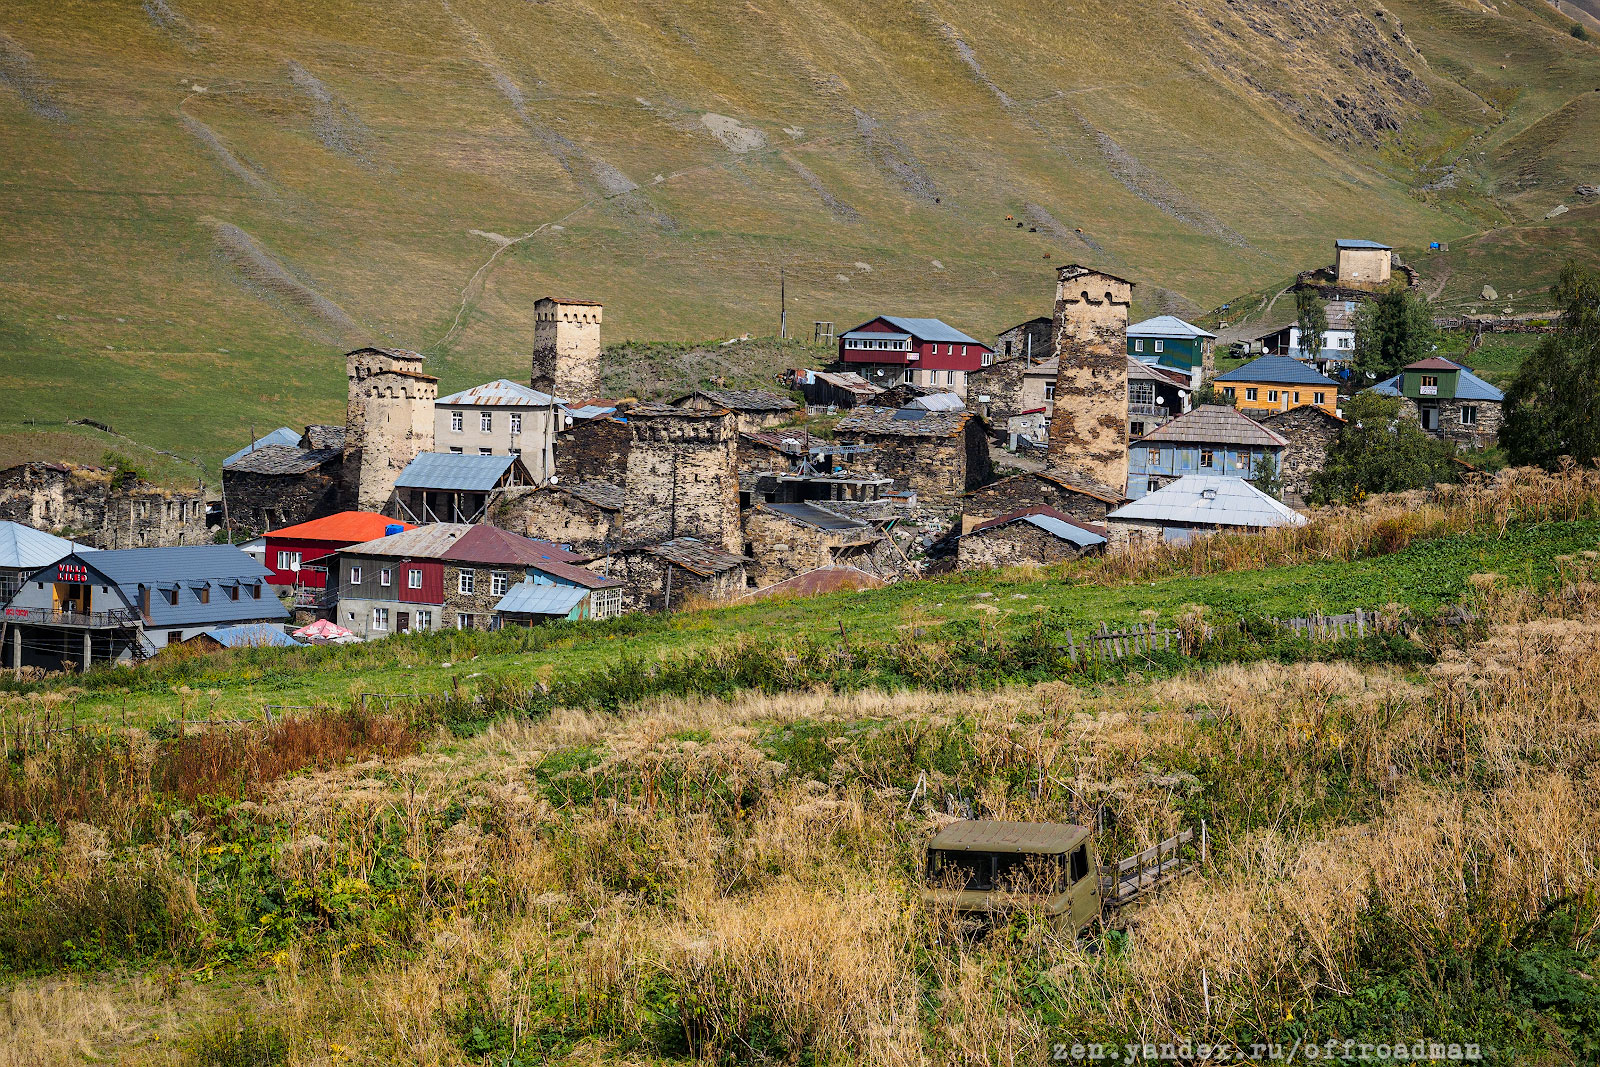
(1278, 383)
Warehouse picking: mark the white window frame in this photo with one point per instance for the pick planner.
(486, 422)
(516, 422)
(1138, 344)
(288, 561)
(385, 577)
(455, 450)
(380, 618)
(455, 422)
(1049, 390)
(466, 582)
(485, 451)
(499, 583)
(355, 574)
(605, 603)
(1161, 346)
(413, 577)
(1319, 398)
(425, 619)
(1469, 414)
(463, 621)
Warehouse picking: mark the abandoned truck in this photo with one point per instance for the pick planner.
(988, 866)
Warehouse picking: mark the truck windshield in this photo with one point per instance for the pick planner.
(961, 870)
(1016, 872)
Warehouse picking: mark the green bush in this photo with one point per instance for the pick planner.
(239, 1042)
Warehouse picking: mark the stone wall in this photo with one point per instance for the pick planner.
(552, 514)
(566, 348)
(1027, 490)
(87, 505)
(1015, 544)
(647, 588)
(783, 548)
(1311, 432)
(682, 477)
(1481, 435)
(1125, 536)
(388, 422)
(261, 502)
(1089, 426)
(938, 467)
(594, 450)
(1024, 345)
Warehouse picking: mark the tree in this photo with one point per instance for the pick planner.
(1313, 316)
(1208, 393)
(1553, 406)
(1392, 331)
(1268, 477)
(1380, 450)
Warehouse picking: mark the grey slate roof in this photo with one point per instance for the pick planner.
(188, 569)
(1278, 370)
(600, 494)
(284, 459)
(1209, 500)
(454, 471)
(1468, 387)
(281, 436)
(743, 399)
(323, 437)
(502, 393)
(875, 420)
(23, 548)
(1216, 424)
(526, 598)
(1167, 326)
(811, 515)
(693, 554)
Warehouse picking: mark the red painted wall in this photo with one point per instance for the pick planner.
(930, 355)
(312, 553)
(432, 591)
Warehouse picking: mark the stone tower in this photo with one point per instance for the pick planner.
(566, 348)
(1089, 428)
(388, 421)
(683, 477)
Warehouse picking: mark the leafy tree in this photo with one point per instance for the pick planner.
(1208, 393)
(1391, 331)
(1268, 477)
(1380, 450)
(1553, 406)
(1313, 317)
(124, 471)
(1579, 32)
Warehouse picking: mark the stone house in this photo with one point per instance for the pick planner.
(678, 573)
(753, 409)
(1362, 264)
(452, 576)
(277, 484)
(1032, 536)
(1448, 400)
(783, 540)
(102, 508)
(501, 418)
(594, 449)
(1310, 431)
(582, 517)
(1081, 500)
(938, 455)
(682, 477)
(566, 348)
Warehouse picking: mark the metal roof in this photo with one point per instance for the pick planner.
(1468, 385)
(1050, 521)
(345, 527)
(1139, 369)
(187, 569)
(1167, 326)
(454, 471)
(923, 330)
(424, 542)
(528, 598)
(501, 393)
(1432, 363)
(875, 335)
(1352, 242)
(811, 515)
(25, 549)
(1215, 424)
(590, 411)
(281, 436)
(876, 420)
(250, 635)
(937, 402)
(1209, 500)
(1278, 370)
(992, 835)
(283, 459)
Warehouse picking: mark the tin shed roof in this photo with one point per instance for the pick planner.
(992, 835)
(528, 598)
(1216, 424)
(454, 471)
(1167, 326)
(501, 393)
(1050, 521)
(1354, 243)
(1209, 500)
(23, 548)
(250, 635)
(811, 515)
(281, 436)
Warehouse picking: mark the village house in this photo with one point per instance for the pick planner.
(1213, 439)
(999, 391)
(594, 449)
(1310, 431)
(1168, 341)
(102, 507)
(783, 540)
(581, 516)
(1278, 383)
(531, 602)
(1448, 400)
(891, 349)
(127, 604)
(937, 454)
(1193, 506)
(452, 487)
(299, 557)
(833, 389)
(1083, 501)
(753, 409)
(274, 483)
(24, 550)
(501, 418)
(682, 477)
(1365, 264)
(1338, 340)
(454, 576)
(675, 574)
(1035, 535)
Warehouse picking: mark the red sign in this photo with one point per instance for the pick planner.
(17, 612)
(71, 572)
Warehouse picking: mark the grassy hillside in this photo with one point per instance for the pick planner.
(211, 202)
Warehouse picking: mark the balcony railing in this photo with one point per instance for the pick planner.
(1154, 410)
(80, 620)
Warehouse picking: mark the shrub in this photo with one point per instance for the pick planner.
(239, 1042)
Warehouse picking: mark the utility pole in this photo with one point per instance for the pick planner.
(783, 305)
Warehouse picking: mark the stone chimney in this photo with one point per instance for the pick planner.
(1089, 427)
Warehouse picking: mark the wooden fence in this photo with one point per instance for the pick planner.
(1128, 879)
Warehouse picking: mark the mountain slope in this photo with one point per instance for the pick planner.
(213, 202)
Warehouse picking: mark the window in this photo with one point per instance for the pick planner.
(355, 575)
(514, 451)
(1469, 415)
(455, 450)
(204, 594)
(1080, 864)
(1161, 346)
(1272, 396)
(1208, 458)
(1138, 344)
(380, 618)
(174, 637)
(1136, 429)
(1319, 398)
(466, 582)
(255, 591)
(1142, 393)
(385, 577)
(233, 592)
(498, 583)
(1049, 390)
(413, 578)
(910, 376)
(1153, 457)
(485, 451)
(494, 622)
(963, 350)
(516, 422)
(1297, 396)
(288, 561)
(172, 597)
(1227, 391)
(463, 621)
(988, 359)
(1346, 342)
(486, 421)
(1250, 392)
(424, 620)
(605, 603)
(455, 421)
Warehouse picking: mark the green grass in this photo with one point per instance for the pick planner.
(1425, 577)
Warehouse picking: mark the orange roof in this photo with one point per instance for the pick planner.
(347, 527)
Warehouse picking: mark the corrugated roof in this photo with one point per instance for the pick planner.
(25, 549)
(284, 459)
(1209, 500)
(743, 399)
(693, 554)
(590, 411)
(876, 420)
(1278, 370)
(454, 471)
(346, 527)
(281, 436)
(811, 515)
(250, 635)
(188, 569)
(529, 598)
(1167, 326)
(501, 393)
(1139, 369)
(926, 329)
(423, 542)
(875, 335)
(1215, 424)
(1353, 242)
(1468, 386)
(817, 581)
(992, 835)
(1051, 521)
(937, 402)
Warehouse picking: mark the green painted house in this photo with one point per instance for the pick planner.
(1168, 341)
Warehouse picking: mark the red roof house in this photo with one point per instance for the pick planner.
(293, 551)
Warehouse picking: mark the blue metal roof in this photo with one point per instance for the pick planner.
(1468, 387)
(187, 570)
(1350, 242)
(930, 330)
(251, 635)
(281, 436)
(1278, 370)
(526, 598)
(23, 548)
(1065, 530)
(454, 470)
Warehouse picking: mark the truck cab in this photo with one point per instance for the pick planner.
(983, 865)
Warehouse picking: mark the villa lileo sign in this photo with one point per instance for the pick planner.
(71, 572)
